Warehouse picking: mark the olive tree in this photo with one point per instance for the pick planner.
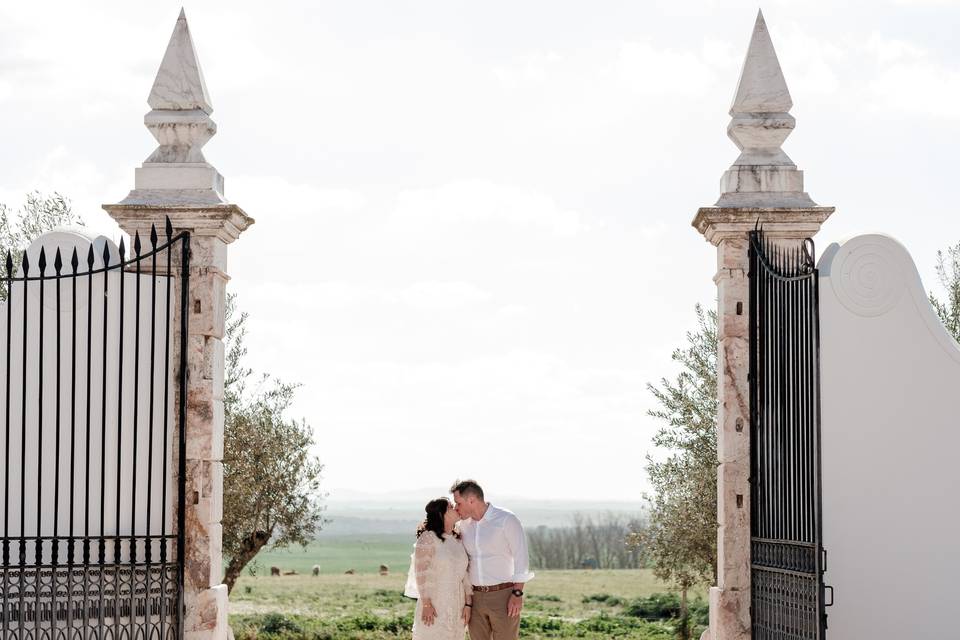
(948, 273)
(680, 539)
(38, 214)
(271, 483)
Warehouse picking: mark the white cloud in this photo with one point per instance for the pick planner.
(438, 296)
(279, 196)
(329, 296)
(649, 71)
(478, 201)
(919, 87)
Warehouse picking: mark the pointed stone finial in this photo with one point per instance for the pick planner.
(763, 175)
(179, 84)
(180, 121)
(762, 87)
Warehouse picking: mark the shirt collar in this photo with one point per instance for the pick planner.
(489, 513)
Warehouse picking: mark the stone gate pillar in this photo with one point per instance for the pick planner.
(176, 182)
(762, 187)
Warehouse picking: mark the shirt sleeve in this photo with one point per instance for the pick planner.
(423, 555)
(517, 542)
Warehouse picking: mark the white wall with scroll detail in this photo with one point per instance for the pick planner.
(890, 388)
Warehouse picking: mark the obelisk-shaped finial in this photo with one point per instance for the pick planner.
(179, 84)
(180, 122)
(763, 175)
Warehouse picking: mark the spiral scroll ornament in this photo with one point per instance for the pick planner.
(866, 278)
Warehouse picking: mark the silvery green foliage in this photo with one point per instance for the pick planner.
(271, 480)
(38, 214)
(948, 273)
(680, 539)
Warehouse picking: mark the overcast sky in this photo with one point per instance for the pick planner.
(473, 242)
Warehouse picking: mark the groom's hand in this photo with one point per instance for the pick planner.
(514, 606)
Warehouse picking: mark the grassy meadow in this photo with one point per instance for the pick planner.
(367, 606)
(362, 553)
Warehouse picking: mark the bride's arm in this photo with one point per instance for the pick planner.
(467, 587)
(423, 556)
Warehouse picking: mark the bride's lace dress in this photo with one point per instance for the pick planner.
(440, 573)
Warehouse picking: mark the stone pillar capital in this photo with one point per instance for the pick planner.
(721, 223)
(224, 221)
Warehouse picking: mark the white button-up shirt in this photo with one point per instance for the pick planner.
(497, 548)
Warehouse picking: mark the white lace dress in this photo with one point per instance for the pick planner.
(439, 573)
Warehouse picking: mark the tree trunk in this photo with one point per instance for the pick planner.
(248, 550)
(684, 616)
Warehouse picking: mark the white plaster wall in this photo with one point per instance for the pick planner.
(891, 440)
(39, 472)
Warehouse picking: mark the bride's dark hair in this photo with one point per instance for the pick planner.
(436, 510)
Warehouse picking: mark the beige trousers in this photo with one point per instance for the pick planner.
(489, 619)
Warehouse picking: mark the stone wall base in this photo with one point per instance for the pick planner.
(206, 615)
(729, 614)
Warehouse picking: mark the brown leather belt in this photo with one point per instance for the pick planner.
(494, 587)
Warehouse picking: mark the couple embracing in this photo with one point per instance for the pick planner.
(469, 566)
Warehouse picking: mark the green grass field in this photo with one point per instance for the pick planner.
(559, 593)
(363, 554)
(367, 606)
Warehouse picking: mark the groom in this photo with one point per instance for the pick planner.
(499, 565)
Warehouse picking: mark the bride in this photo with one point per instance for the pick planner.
(438, 576)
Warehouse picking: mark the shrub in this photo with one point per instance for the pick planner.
(659, 606)
(279, 624)
(545, 598)
(603, 598)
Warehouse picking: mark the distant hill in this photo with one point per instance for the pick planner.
(355, 513)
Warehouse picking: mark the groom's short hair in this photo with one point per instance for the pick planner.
(467, 488)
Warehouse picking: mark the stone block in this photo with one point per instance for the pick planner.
(210, 491)
(208, 301)
(766, 180)
(729, 614)
(733, 534)
(214, 365)
(205, 617)
(215, 533)
(733, 436)
(203, 552)
(208, 251)
(733, 307)
(732, 253)
(177, 176)
(204, 425)
(197, 552)
(205, 361)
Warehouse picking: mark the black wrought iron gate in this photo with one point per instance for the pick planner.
(787, 556)
(93, 441)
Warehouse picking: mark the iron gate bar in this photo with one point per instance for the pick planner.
(103, 599)
(116, 542)
(786, 532)
(166, 406)
(181, 497)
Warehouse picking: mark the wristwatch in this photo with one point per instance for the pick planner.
(517, 592)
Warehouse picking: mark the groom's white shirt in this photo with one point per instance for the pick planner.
(497, 548)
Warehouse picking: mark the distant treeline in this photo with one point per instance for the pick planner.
(590, 542)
